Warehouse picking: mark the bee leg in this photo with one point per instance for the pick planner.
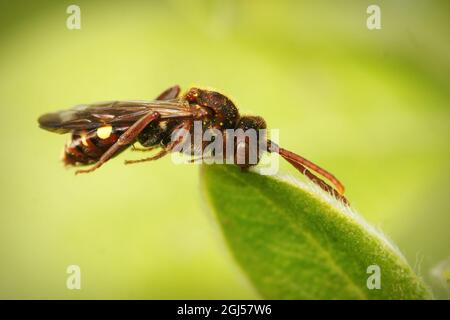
(133, 148)
(157, 156)
(125, 139)
(167, 149)
(170, 93)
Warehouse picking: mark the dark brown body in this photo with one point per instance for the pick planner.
(101, 131)
(87, 147)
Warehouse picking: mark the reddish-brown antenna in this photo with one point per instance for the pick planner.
(301, 163)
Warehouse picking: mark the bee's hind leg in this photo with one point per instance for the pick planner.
(125, 139)
(167, 149)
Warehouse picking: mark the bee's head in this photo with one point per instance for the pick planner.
(251, 122)
(248, 148)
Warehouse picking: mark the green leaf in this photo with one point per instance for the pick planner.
(296, 242)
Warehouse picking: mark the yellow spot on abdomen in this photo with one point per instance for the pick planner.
(104, 132)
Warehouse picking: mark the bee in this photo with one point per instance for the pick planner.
(101, 131)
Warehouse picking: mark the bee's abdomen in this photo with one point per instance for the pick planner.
(86, 147)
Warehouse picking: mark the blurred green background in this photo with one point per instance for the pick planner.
(370, 106)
